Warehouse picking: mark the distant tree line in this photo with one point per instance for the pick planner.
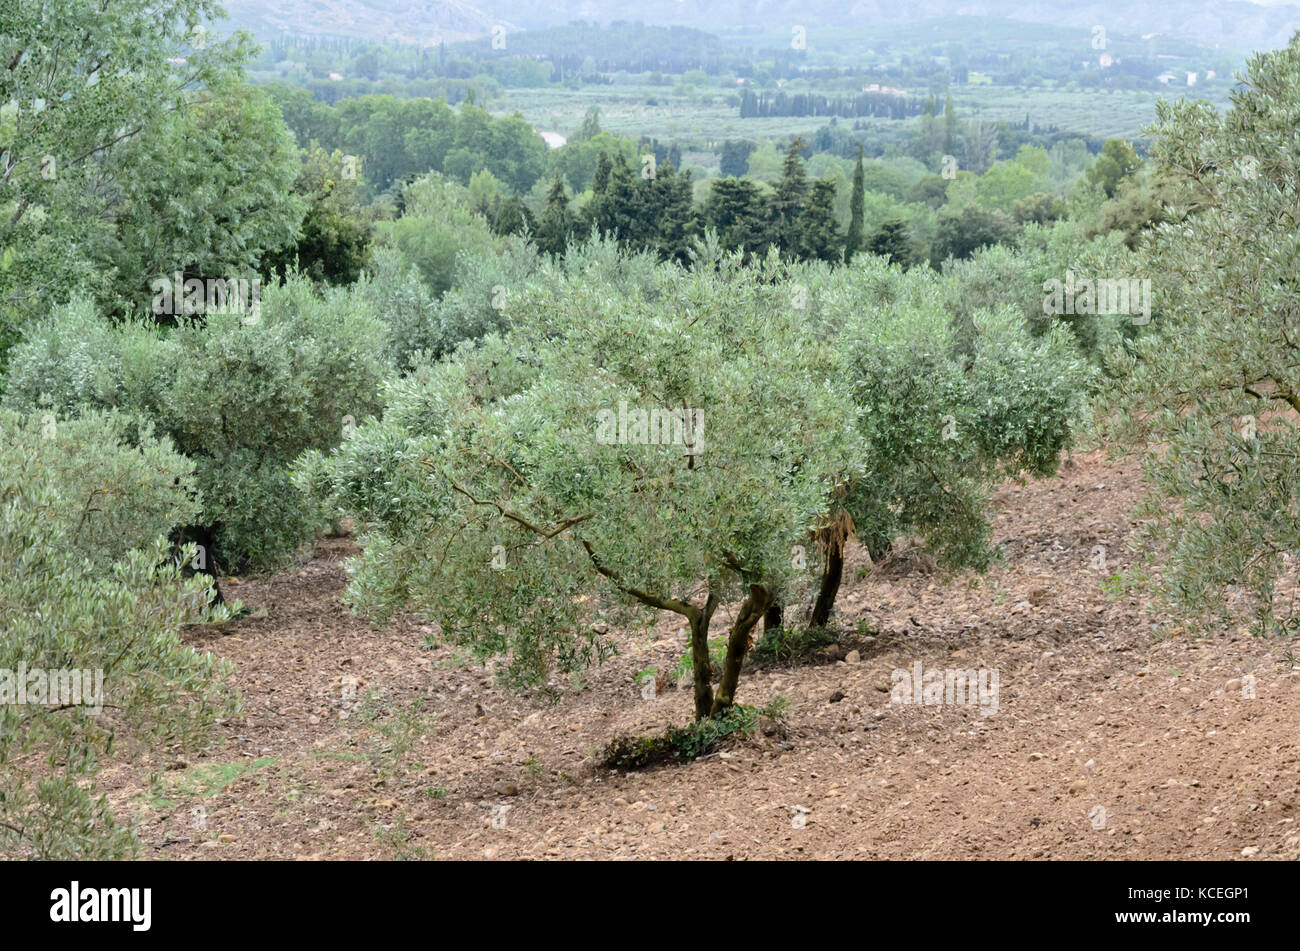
(878, 104)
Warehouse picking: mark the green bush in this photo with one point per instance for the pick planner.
(787, 643)
(394, 290)
(118, 487)
(73, 597)
(241, 400)
(999, 276)
(436, 227)
(679, 743)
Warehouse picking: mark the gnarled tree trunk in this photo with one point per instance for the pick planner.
(832, 574)
(738, 644)
(700, 663)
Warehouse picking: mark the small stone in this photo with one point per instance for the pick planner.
(853, 657)
(1035, 757)
(1249, 850)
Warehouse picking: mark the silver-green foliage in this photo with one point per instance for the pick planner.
(490, 503)
(241, 399)
(1214, 389)
(947, 404)
(87, 584)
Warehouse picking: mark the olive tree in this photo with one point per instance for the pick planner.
(242, 396)
(1213, 390)
(613, 455)
(91, 606)
(943, 412)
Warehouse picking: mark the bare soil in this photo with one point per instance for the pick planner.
(1117, 735)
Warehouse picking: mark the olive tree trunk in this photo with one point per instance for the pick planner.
(738, 643)
(700, 663)
(832, 574)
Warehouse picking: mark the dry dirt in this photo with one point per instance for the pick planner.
(1116, 734)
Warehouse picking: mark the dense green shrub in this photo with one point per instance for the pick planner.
(77, 593)
(680, 743)
(394, 290)
(118, 487)
(436, 226)
(998, 276)
(241, 399)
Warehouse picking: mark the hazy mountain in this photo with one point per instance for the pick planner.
(399, 21)
(1232, 24)
(1227, 23)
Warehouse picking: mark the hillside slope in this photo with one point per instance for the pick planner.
(1108, 741)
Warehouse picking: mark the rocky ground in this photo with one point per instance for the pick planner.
(1116, 734)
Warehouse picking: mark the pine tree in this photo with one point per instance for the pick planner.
(739, 213)
(818, 237)
(673, 215)
(857, 201)
(621, 208)
(791, 192)
(512, 217)
(556, 224)
(890, 241)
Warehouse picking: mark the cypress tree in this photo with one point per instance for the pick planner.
(857, 201)
(949, 126)
(600, 179)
